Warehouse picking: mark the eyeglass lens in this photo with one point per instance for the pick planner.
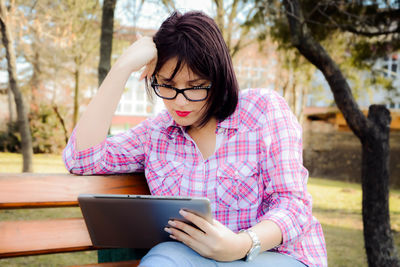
(191, 94)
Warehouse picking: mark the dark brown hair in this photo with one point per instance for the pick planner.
(194, 40)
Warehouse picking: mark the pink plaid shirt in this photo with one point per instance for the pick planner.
(255, 174)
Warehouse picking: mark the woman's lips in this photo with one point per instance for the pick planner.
(182, 113)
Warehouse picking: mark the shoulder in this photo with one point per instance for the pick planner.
(161, 120)
(261, 98)
(156, 123)
(258, 107)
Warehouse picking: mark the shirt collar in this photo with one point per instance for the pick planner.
(232, 122)
(172, 127)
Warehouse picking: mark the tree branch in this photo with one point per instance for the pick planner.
(317, 55)
(351, 29)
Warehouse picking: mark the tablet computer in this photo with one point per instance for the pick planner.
(135, 221)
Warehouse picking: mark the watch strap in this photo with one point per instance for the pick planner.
(256, 244)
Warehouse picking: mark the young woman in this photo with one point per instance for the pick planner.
(243, 151)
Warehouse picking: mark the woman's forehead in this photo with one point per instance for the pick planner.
(184, 72)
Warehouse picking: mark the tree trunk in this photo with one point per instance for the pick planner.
(107, 29)
(379, 244)
(35, 81)
(304, 93)
(22, 118)
(60, 118)
(373, 133)
(219, 19)
(76, 93)
(10, 108)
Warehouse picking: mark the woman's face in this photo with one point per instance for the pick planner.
(183, 111)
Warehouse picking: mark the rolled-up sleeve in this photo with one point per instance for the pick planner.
(122, 153)
(285, 198)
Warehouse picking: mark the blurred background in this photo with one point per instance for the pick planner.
(58, 48)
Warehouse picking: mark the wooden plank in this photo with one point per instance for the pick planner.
(25, 238)
(395, 125)
(53, 190)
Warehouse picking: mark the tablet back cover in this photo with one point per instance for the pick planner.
(131, 221)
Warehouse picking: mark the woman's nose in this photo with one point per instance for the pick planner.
(181, 100)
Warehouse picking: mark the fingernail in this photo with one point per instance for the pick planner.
(172, 223)
(183, 213)
(166, 229)
(173, 237)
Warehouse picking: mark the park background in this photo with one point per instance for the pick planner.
(57, 47)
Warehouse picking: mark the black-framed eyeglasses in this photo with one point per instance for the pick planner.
(165, 91)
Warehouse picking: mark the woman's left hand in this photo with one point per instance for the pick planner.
(215, 241)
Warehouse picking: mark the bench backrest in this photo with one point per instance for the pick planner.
(22, 238)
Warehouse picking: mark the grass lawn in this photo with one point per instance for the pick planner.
(337, 205)
(42, 163)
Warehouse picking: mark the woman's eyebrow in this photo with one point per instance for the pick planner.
(162, 77)
(190, 81)
(196, 80)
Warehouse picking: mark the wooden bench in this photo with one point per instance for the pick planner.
(45, 236)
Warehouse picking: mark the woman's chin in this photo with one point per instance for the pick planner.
(182, 122)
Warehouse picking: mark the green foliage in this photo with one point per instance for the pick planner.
(48, 136)
(47, 133)
(10, 140)
(365, 50)
(60, 42)
(348, 30)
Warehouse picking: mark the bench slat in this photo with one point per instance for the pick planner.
(55, 190)
(42, 237)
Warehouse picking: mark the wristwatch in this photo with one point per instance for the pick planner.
(255, 247)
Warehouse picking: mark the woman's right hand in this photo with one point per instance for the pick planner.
(142, 52)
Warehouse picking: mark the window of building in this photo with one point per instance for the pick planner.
(252, 74)
(391, 69)
(134, 101)
(390, 66)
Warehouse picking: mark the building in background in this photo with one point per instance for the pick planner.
(388, 66)
(135, 106)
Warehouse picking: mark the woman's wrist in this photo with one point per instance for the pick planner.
(122, 66)
(138, 55)
(245, 244)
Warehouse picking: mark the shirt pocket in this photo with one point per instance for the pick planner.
(237, 185)
(164, 176)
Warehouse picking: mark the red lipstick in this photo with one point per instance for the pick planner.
(182, 113)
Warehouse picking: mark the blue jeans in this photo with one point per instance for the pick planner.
(173, 254)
